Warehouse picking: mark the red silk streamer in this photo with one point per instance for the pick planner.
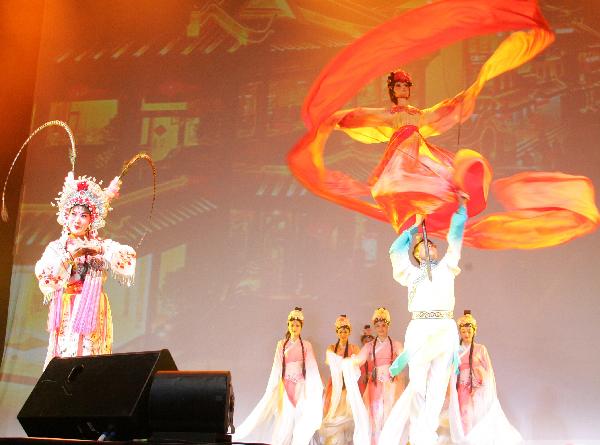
(416, 177)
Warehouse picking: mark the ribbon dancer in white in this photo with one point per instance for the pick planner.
(431, 342)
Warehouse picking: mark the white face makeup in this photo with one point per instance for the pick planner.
(79, 220)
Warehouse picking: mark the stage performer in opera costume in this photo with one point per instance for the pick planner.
(73, 268)
(338, 425)
(483, 420)
(372, 409)
(291, 409)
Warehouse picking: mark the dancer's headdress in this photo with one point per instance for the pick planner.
(381, 314)
(296, 314)
(342, 322)
(84, 190)
(467, 320)
(400, 76)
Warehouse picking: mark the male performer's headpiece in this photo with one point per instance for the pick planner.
(342, 322)
(467, 320)
(296, 314)
(85, 190)
(381, 314)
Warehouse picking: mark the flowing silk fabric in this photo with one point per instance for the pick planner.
(337, 427)
(483, 421)
(543, 209)
(360, 415)
(275, 419)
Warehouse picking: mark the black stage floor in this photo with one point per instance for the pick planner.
(48, 441)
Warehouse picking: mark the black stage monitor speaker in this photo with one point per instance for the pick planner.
(86, 397)
(191, 401)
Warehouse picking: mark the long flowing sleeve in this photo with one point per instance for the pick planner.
(490, 424)
(309, 409)
(455, 238)
(121, 260)
(52, 270)
(484, 371)
(402, 267)
(267, 405)
(362, 429)
(335, 367)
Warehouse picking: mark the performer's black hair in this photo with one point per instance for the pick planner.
(345, 351)
(85, 206)
(345, 355)
(470, 360)
(471, 363)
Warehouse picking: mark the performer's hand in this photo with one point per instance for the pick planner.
(419, 220)
(85, 248)
(81, 251)
(463, 197)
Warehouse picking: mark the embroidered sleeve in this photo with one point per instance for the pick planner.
(401, 265)
(121, 260)
(53, 270)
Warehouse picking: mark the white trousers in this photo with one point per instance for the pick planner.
(433, 344)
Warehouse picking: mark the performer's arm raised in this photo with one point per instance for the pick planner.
(455, 238)
(402, 267)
